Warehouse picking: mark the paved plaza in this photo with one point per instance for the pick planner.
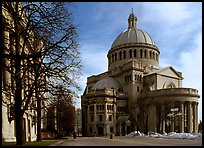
(127, 141)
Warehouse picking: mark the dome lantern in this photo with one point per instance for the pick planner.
(132, 20)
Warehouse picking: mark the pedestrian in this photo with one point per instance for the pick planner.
(74, 134)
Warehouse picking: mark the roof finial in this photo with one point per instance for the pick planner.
(132, 20)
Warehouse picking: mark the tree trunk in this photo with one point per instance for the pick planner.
(20, 128)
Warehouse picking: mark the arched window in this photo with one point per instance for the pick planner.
(120, 55)
(130, 53)
(169, 85)
(153, 56)
(115, 56)
(135, 53)
(150, 54)
(124, 54)
(140, 53)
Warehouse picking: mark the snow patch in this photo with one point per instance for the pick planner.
(172, 135)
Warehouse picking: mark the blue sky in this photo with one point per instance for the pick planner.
(175, 27)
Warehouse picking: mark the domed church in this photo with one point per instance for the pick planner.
(135, 94)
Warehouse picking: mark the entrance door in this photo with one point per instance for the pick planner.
(123, 130)
(100, 131)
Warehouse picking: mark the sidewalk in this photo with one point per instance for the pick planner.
(57, 143)
(60, 141)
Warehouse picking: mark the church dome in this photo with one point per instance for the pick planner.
(133, 34)
(107, 82)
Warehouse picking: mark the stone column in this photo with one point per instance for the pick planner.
(105, 111)
(196, 117)
(114, 116)
(95, 120)
(143, 53)
(181, 121)
(148, 54)
(189, 117)
(138, 53)
(106, 117)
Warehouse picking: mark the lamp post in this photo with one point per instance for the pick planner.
(174, 112)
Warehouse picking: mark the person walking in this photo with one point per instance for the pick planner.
(74, 134)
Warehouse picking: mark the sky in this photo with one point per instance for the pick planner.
(175, 27)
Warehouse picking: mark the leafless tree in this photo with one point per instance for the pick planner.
(40, 52)
(64, 110)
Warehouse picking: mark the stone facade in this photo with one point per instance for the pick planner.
(135, 92)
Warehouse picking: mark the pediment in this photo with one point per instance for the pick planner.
(170, 72)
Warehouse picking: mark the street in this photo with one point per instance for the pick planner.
(128, 141)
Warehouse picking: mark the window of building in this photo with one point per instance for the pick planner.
(130, 53)
(145, 54)
(92, 118)
(115, 56)
(150, 54)
(138, 89)
(111, 129)
(112, 57)
(135, 53)
(110, 117)
(100, 117)
(124, 54)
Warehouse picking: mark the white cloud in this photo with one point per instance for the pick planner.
(172, 13)
(94, 58)
(191, 67)
(171, 25)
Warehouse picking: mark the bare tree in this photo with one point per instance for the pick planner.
(64, 110)
(40, 51)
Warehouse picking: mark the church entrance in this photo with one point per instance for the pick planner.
(100, 131)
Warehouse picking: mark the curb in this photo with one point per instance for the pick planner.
(57, 143)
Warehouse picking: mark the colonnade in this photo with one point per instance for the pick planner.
(136, 53)
(187, 121)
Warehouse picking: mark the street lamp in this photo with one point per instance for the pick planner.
(172, 115)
